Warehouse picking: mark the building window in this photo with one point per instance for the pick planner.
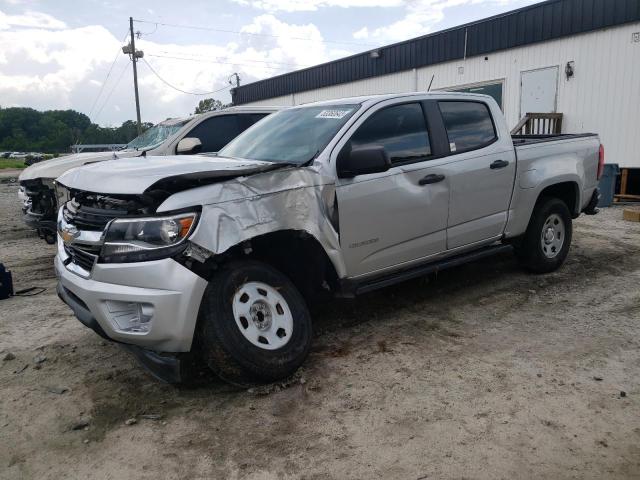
(494, 90)
(468, 124)
(400, 129)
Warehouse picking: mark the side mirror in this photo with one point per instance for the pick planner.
(189, 145)
(360, 161)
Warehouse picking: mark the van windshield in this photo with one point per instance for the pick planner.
(155, 135)
(295, 135)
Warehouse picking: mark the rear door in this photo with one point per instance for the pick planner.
(395, 217)
(481, 173)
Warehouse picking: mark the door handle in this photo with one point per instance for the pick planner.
(498, 164)
(433, 178)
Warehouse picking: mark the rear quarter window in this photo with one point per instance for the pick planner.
(469, 125)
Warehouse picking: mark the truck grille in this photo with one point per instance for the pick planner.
(84, 257)
(92, 211)
(89, 218)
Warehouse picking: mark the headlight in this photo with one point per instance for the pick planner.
(22, 195)
(62, 193)
(143, 239)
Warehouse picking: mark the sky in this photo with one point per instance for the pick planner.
(61, 54)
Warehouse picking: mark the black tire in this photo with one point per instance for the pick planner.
(225, 348)
(530, 250)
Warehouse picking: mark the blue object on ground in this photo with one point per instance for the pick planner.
(607, 184)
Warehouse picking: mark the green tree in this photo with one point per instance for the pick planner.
(209, 105)
(54, 131)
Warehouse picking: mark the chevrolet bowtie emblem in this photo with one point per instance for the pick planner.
(69, 233)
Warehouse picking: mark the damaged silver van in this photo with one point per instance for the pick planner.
(217, 256)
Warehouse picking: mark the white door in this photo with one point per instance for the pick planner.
(538, 91)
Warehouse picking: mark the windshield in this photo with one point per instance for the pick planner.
(295, 135)
(155, 135)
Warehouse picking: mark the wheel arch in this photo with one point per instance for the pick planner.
(526, 200)
(297, 254)
(568, 192)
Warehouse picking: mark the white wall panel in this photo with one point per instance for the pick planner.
(396, 83)
(286, 101)
(602, 97)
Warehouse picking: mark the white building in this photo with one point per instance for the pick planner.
(580, 58)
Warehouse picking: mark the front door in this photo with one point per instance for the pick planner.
(539, 91)
(391, 218)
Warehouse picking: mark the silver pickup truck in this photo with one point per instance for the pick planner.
(207, 132)
(216, 257)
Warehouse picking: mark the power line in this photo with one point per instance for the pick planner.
(144, 34)
(106, 78)
(219, 59)
(221, 30)
(111, 91)
(211, 61)
(179, 89)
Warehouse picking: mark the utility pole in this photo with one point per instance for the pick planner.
(135, 54)
(237, 79)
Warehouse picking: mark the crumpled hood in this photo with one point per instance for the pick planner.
(52, 169)
(135, 176)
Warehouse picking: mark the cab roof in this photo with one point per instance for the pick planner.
(370, 99)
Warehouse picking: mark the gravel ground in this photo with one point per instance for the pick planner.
(483, 372)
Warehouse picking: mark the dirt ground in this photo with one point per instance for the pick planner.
(484, 372)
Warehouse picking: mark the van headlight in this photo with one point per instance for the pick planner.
(144, 239)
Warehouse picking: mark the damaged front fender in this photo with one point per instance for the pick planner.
(243, 208)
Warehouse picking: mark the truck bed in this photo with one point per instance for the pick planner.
(520, 140)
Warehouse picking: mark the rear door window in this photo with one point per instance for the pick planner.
(468, 124)
(400, 129)
(216, 132)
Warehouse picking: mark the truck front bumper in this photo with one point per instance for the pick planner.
(45, 225)
(150, 305)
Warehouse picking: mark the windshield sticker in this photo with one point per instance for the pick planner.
(336, 114)
(452, 146)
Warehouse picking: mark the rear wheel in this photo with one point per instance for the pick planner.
(546, 243)
(253, 324)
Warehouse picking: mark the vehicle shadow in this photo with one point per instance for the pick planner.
(471, 281)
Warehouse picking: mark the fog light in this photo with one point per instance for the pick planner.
(130, 317)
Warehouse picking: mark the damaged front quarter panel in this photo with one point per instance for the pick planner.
(239, 209)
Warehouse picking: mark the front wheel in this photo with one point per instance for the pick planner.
(546, 243)
(253, 324)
